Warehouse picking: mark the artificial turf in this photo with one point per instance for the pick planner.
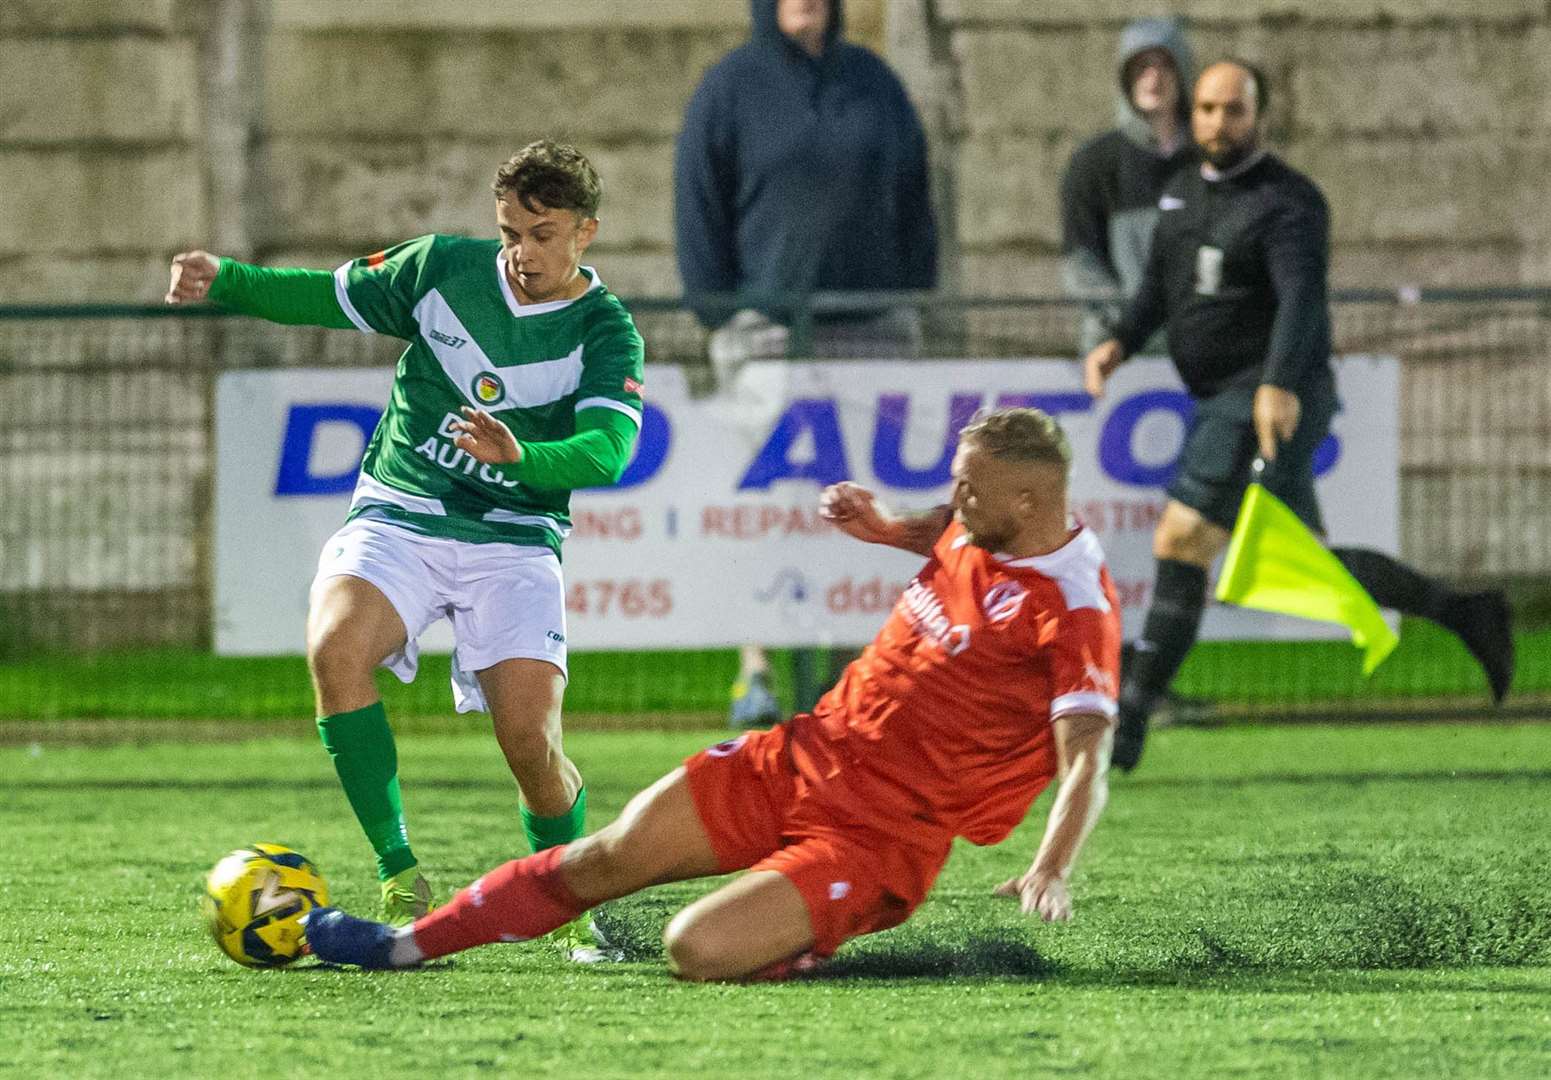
(1366, 901)
(1430, 670)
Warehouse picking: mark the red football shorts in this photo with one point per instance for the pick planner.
(857, 873)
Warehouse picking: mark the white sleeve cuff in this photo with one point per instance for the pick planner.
(342, 294)
(610, 403)
(1084, 701)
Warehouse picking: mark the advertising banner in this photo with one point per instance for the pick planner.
(713, 536)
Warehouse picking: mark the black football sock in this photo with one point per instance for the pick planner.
(1173, 621)
(1483, 620)
(1393, 584)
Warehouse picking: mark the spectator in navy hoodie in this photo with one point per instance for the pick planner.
(801, 168)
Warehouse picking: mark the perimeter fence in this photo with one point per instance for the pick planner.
(106, 505)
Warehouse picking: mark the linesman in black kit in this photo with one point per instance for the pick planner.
(1237, 273)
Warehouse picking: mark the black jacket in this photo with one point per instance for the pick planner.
(1238, 273)
(793, 174)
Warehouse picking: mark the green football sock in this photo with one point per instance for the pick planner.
(548, 832)
(361, 744)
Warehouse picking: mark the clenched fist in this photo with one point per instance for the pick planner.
(857, 513)
(192, 273)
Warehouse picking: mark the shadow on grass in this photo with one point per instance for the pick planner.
(1331, 928)
(1007, 956)
(977, 956)
(992, 957)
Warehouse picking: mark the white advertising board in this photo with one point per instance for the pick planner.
(713, 537)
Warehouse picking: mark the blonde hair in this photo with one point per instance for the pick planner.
(1020, 435)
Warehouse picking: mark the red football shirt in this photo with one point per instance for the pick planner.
(945, 719)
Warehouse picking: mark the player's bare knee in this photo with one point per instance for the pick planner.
(692, 950)
(1184, 535)
(334, 654)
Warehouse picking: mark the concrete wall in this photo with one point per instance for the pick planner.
(1427, 123)
(305, 131)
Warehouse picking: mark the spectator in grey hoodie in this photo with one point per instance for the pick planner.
(1110, 192)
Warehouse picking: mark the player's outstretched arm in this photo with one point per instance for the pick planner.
(279, 294)
(857, 512)
(1083, 743)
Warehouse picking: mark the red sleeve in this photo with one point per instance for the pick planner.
(1082, 648)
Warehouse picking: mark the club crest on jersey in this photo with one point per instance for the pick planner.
(487, 388)
(1003, 601)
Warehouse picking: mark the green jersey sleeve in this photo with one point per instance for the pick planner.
(595, 456)
(378, 293)
(613, 368)
(282, 295)
(608, 412)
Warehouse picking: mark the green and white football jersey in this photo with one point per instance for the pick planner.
(533, 366)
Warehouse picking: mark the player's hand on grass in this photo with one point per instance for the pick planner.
(1044, 894)
(1276, 418)
(485, 439)
(192, 273)
(1099, 364)
(856, 512)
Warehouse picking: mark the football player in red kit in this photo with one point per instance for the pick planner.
(995, 673)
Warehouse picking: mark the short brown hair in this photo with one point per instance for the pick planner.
(1020, 435)
(550, 175)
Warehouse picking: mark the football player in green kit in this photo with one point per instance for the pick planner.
(521, 382)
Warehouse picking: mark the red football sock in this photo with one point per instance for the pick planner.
(523, 899)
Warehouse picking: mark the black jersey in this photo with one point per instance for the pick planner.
(1238, 272)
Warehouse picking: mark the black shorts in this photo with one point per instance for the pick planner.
(1220, 450)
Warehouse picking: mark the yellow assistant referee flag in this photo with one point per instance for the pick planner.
(1276, 564)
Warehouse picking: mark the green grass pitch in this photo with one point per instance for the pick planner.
(1430, 669)
(1368, 901)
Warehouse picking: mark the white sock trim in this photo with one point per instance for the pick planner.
(405, 953)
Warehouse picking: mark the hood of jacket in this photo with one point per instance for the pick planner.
(1138, 36)
(768, 32)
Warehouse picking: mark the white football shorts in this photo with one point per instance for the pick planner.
(505, 601)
